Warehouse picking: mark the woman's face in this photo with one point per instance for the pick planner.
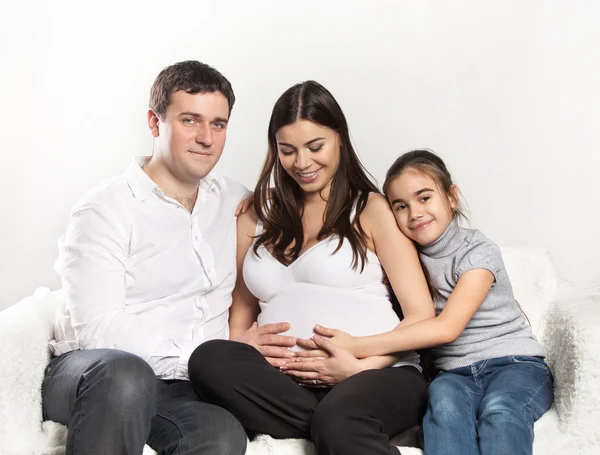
(310, 154)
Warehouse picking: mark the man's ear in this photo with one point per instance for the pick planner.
(454, 196)
(153, 122)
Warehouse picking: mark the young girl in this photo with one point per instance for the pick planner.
(494, 383)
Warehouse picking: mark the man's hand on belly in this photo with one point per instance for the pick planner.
(267, 341)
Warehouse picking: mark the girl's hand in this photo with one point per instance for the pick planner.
(339, 338)
(319, 371)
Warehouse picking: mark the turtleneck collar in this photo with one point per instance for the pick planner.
(446, 244)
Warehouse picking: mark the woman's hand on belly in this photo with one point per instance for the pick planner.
(333, 366)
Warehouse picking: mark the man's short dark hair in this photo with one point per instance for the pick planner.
(192, 77)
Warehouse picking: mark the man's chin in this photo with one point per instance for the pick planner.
(197, 175)
(192, 171)
(199, 171)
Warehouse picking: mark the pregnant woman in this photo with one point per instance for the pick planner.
(315, 250)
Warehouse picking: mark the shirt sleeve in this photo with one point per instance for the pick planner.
(92, 264)
(483, 255)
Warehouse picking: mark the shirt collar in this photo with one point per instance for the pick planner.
(143, 186)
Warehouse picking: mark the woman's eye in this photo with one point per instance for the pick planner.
(400, 207)
(425, 198)
(286, 152)
(316, 148)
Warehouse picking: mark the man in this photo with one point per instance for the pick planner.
(148, 267)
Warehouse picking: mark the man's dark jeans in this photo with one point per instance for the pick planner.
(113, 404)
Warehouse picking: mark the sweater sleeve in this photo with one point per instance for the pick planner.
(483, 254)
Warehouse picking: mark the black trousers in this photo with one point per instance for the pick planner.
(357, 416)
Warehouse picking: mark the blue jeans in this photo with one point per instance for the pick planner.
(487, 408)
(113, 404)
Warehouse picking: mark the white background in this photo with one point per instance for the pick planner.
(506, 91)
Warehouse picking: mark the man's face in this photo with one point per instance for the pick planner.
(191, 134)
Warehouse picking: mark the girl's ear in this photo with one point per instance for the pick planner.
(454, 196)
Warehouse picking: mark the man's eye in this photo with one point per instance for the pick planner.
(219, 125)
(189, 121)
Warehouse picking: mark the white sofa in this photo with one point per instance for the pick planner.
(567, 322)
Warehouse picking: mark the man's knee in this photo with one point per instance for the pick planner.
(224, 436)
(121, 381)
(230, 437)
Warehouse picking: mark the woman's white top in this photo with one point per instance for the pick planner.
(322, 288)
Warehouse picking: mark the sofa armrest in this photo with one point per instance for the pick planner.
(572, 341)
(25, 329)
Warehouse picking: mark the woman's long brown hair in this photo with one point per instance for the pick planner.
(280, 208)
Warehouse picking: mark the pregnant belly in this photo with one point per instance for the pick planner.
(358, 315)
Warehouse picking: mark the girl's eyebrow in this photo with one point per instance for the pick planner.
(421, 191)
(416, 193)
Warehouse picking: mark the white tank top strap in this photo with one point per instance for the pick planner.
(259, 228)
(353, 211)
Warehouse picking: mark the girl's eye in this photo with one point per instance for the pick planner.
(400, 207)
(425, 198)
(316, 148)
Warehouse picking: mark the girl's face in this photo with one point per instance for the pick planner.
(422, 212)
(309, 153)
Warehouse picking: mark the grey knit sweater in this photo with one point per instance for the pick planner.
(498, 328)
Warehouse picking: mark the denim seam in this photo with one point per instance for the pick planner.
(82, 406)
(541, 365)
(473, 428)
(475, 374)
(534, 394)
(176, 424)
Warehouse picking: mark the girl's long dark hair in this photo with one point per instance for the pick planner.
(280, 208)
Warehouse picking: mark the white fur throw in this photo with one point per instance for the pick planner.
(566, 322)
